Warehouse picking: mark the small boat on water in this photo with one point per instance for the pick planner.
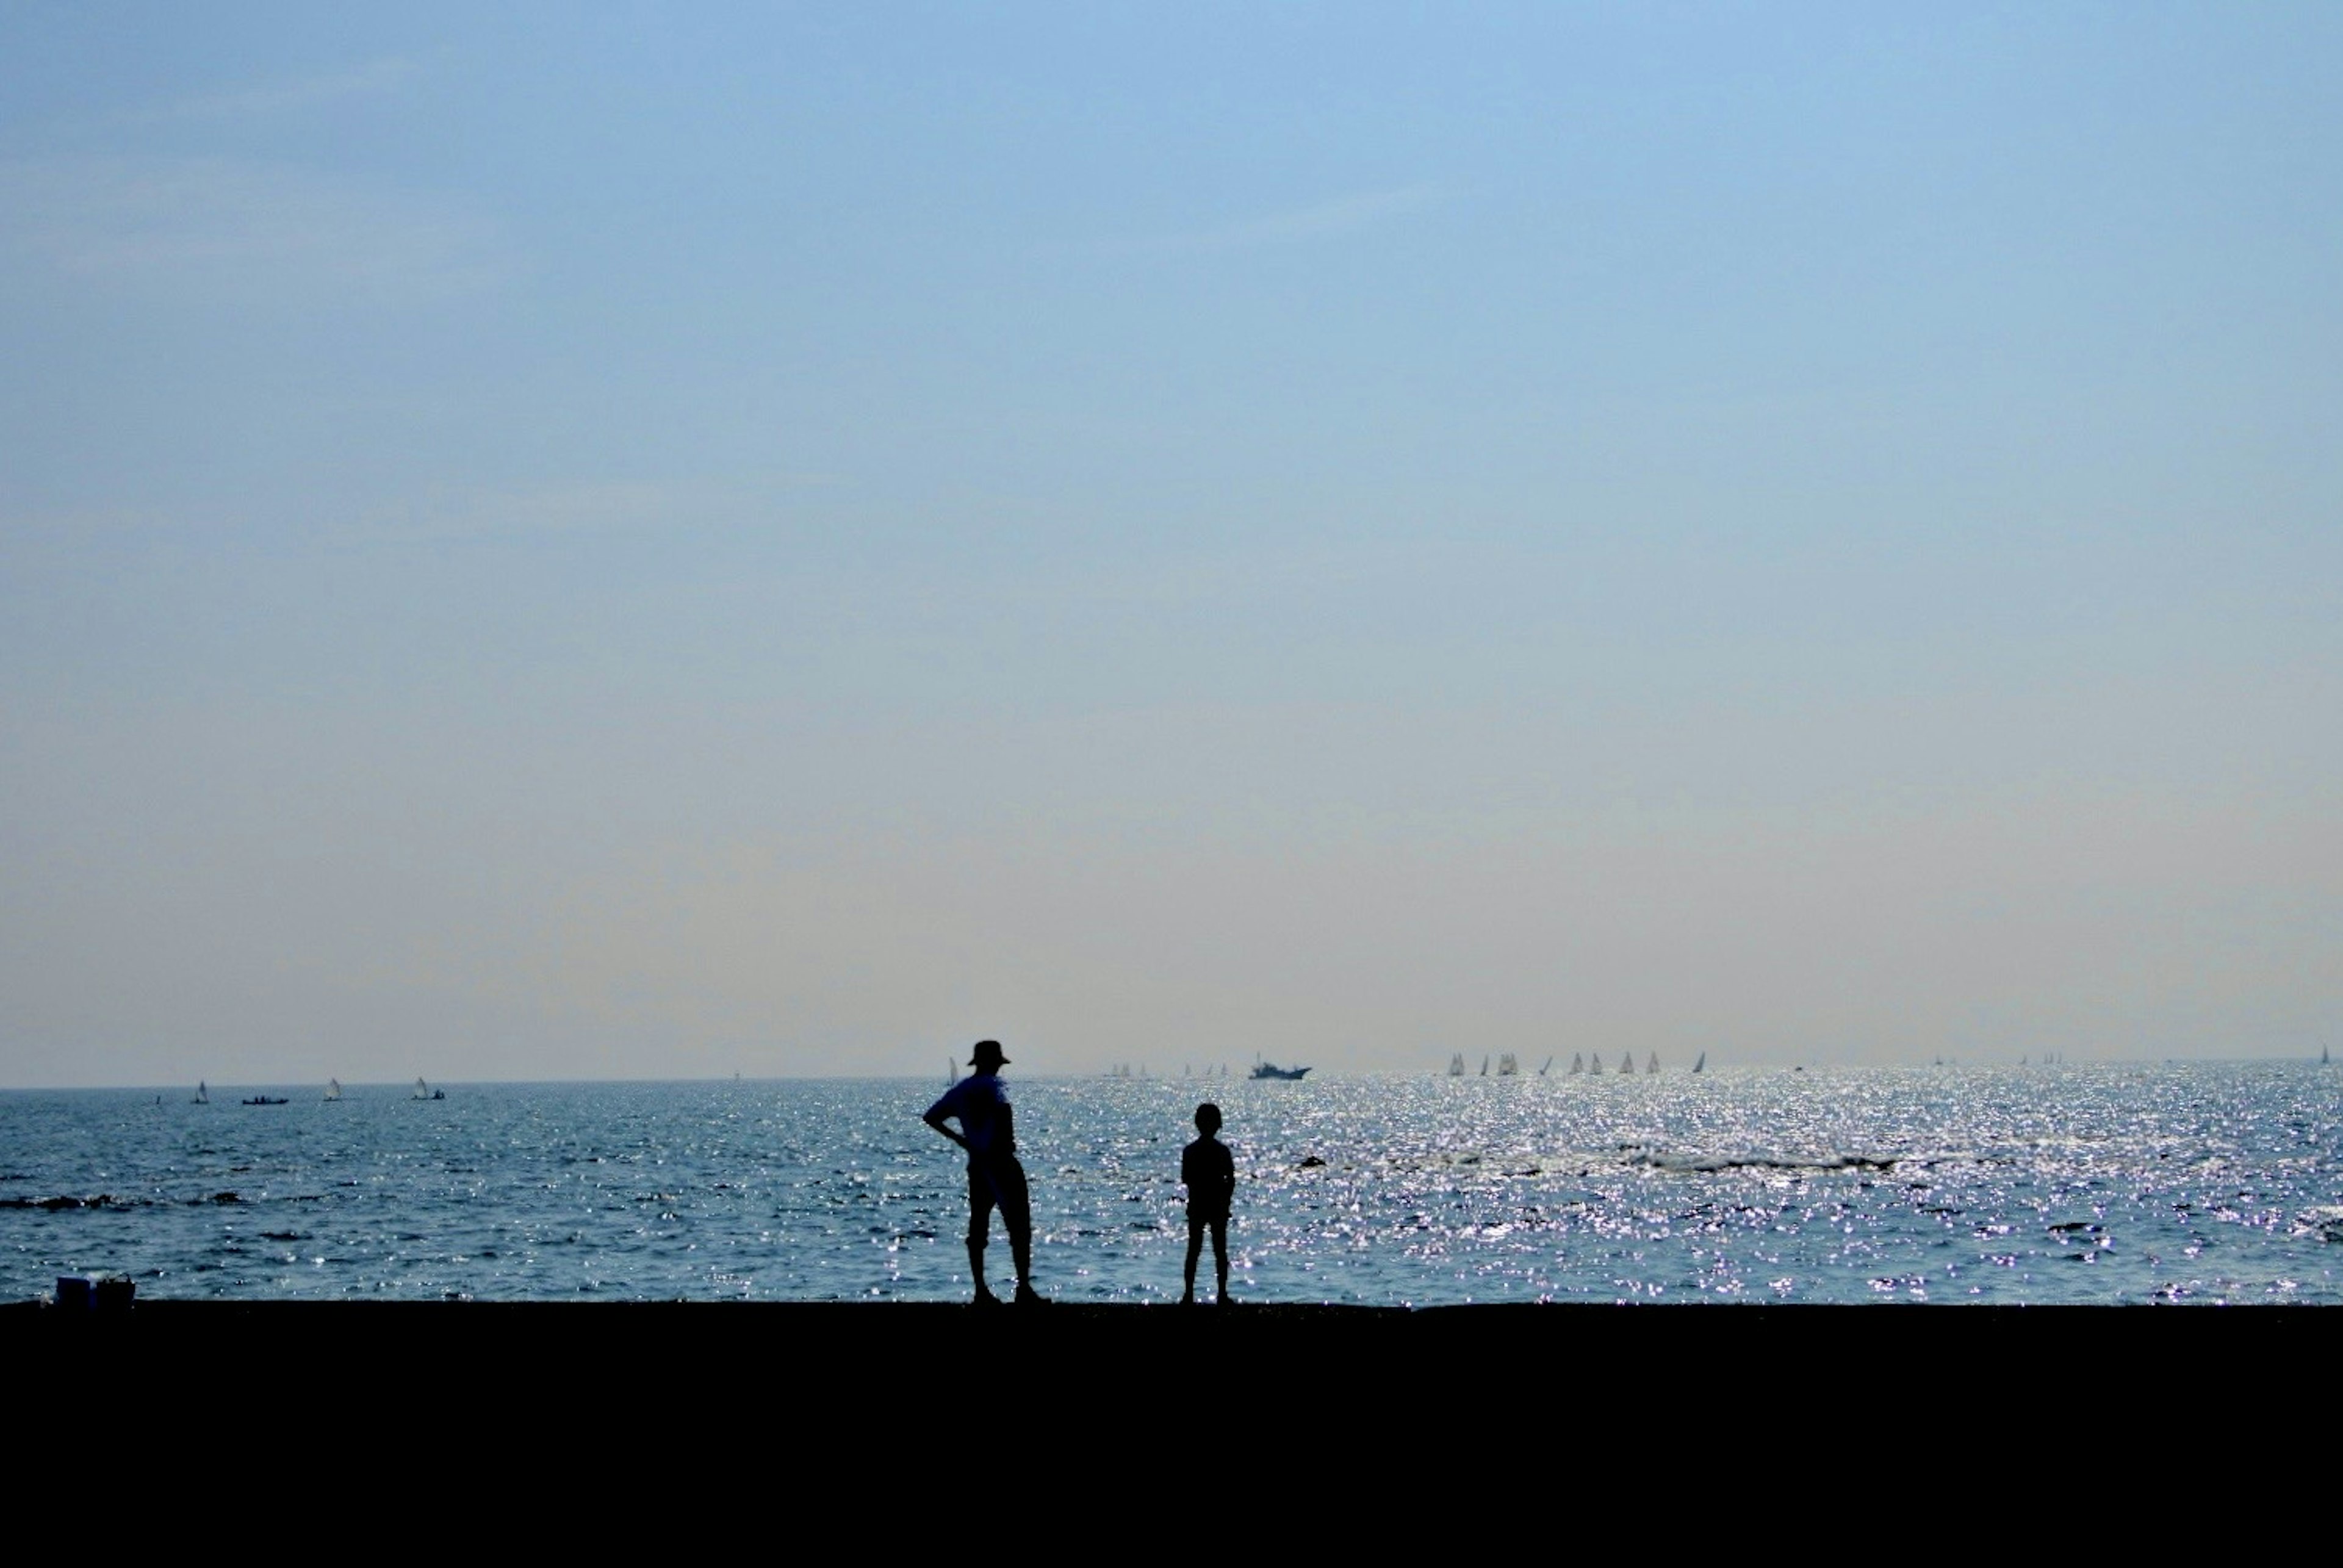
(1271, 1070)
(1595, 1062)
(1547, 1067)
(203, 1095)
(1484, 1064)
(1702, 1062)
(1507, 1067)
(1456, 1065)
(425, 1092)
(266, 1100)
(333, 1089)
(1653, 1065)
(951, 1070)
(1577, 1063)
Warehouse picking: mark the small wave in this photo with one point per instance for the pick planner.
(1768, 1163)
(68, 1200)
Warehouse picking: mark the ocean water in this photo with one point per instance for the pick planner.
(2196, 1183)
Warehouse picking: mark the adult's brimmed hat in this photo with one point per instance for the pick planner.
(986, 1053)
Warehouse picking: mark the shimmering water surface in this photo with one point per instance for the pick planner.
(2190, 1182)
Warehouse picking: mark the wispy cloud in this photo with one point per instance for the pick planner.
(223, 225)
(1295, 225)
(374, 79)
(559, 508)
(580, 508)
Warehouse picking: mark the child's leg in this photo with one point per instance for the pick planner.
(1220, 1255)
(1195, 1247)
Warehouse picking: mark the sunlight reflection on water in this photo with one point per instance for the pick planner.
(2120, 1183)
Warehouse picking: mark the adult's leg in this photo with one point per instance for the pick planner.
(980, 1221)
(1017, 1214)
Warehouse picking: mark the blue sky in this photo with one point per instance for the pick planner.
(670, 541)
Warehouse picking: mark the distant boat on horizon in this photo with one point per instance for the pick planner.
(1549, 1065)
(1507, 1067)
(203, 1094)
(1653, 1065)
(951, 1070)
(1595, 1062)
(1484, 1064)
(333, 1089)
(1702, 1062)
(1269, 1069)
(1578, 1062)
(425, 1092)
(1456, 1065)
(1628, 1061)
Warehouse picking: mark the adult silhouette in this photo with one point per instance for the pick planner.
(988, 1131)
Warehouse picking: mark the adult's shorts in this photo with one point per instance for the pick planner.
(998, 1182)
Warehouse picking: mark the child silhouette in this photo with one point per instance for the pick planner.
(1211, 1174)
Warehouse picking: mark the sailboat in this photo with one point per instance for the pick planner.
(1547, 1067)
(951, 1070)
(333, 1089)
(1507, 1067)
(424, 1091)
(1456, 1065)
(1484, 1064)
(1653, 1065)
(203, 1095)
(1626, 1062)
(2322, 1056)
(1702, 1062)
(1578, 1062)
(1595, 1062)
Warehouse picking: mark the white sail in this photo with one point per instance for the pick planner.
(203, 1094)
(1485, 1065)
(1628, 1061)
(1595, 1062)
(333, 1089)
(1653, 1065)
(1578, 1062)
(1507, 1067)
(951, 1070)
(1456, 1065)
(422, 1091)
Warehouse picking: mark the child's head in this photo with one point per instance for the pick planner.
(1208, 1119)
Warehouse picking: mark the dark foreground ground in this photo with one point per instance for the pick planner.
(605, 1424)
(840, 1357)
